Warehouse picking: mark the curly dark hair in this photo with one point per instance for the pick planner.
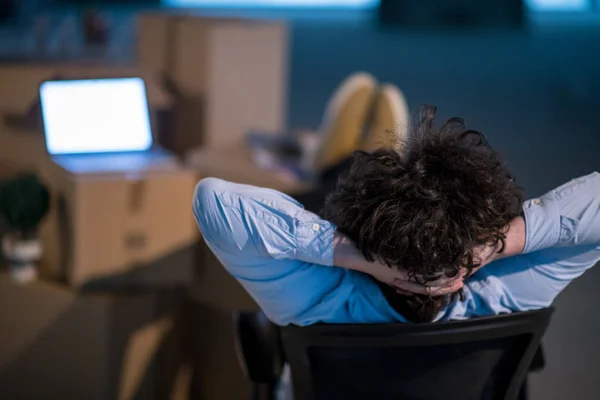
(425, 208)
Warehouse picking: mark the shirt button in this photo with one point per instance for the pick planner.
(316, 227)
(538, 202)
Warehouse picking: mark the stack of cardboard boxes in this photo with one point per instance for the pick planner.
(105, 321)
(120, 251)
(227, 76)
(99, 225)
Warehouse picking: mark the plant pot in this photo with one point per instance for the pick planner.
(22, 256)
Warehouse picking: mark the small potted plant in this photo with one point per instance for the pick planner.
(24, 202)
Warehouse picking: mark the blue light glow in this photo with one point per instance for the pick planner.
(559, 5)
(350, 4)
(533, 5)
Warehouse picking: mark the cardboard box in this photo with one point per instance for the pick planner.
(56, 343)
(110, 230)
(230, 74)
(23, 151)
(154, 40)
(234, 163)
(20, 82)
(118, 230)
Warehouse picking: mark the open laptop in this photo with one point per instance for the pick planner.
(100, 126)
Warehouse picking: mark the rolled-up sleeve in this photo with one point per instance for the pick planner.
(252, 222)
(565, 217)
(280, 253)
(314, 239)
(562, 242)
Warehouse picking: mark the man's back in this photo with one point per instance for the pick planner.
(283, 256)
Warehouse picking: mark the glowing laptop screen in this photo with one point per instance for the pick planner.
(95, 116)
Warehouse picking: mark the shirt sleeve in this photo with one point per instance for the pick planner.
(256, 222)
(280, 253)
(567, 216)
(562, 242)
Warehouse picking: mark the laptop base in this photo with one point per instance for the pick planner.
(154, 160)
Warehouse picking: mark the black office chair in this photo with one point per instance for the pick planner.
(478, 359)
(259, 350)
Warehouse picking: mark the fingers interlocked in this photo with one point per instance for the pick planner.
(442, 286)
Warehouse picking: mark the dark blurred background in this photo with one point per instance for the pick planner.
(525, 74)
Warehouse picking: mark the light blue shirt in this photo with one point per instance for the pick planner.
(283, 256)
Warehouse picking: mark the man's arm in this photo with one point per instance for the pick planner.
(514, 242)
(562, 241)
(568, 216)
(346, 254)
(243, 220)
(246, 225)
(283, 255)
(263, 223)
(558, 235)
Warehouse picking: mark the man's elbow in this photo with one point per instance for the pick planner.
(206, 204)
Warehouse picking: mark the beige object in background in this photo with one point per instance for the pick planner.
(20, 82)
(23, 150)
(59, 344)
(346, 116)
(234, 163)
(141, 348)
(231, 75)
(390, 120)
(120, 229)
(345, 119)
(153, 40)
(85, 233)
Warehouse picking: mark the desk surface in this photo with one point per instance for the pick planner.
(233, 163)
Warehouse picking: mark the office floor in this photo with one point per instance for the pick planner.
(534, 93)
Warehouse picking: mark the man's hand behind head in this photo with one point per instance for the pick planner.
(429, 208)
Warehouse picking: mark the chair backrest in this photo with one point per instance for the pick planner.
(346, 116)
(483, 358)
(390, 120)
